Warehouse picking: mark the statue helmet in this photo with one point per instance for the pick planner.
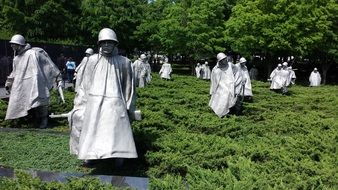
(18, 39)
(279, 65)
(221, 56)
(107, 34)
(143, 56)
(206, 62)
(285, 64)
(89, 51)
(242, 60)
(315, 69)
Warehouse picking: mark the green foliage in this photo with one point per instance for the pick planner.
(192, 28)
(281, 27)
(196, 29)
(41, 20)
(122, 16)
(147, 30)
(34, 150)
(24, 180)
(280, 142)
(55, 107)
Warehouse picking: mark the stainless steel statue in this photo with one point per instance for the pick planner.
(165, 72)
(104, 105)
(82, 67)
(222, 88)
(206, 71)
(246, 90)
(140, 71)
(33, 75)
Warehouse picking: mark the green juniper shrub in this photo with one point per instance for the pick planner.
(280, 142)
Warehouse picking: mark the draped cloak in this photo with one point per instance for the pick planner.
(140, 72)
(77, 114)
(105, 99)
(292, 77)
(79, 72)
(246, 77)
(206, 71)
(279, 78)
(198, 71)
(33, 75)
(315, 79)
(165, 71)
(222, 90)
(148, 71)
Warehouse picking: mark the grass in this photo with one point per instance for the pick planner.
(280, 142)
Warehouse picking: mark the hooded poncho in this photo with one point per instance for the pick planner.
(100, 119)
(315, 79)
(222, 90)
(33, 75)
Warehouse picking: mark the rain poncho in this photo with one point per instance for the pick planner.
(222, 90)
(79, 72)
(292, 77)
(165, 71)
(245, 78)
(198, 70)
(76, 115)
(315, 79)
(279, 78)
(33, 75)
(140, 72)
(148, 71)
(238, 79)
(206, 71)
(103, 108)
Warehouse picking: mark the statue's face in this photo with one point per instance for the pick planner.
(223, 63)
(107, 46)
(15, 47)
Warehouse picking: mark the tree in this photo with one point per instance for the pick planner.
(281, 28)
(193, 28)
(146, 32)
(41, 19)
(321, 33)
(120, 15)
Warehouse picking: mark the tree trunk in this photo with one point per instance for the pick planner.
(269, 62)
(325, 67)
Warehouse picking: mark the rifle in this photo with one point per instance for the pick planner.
(63, 115)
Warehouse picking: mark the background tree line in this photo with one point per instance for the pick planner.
(194, 29)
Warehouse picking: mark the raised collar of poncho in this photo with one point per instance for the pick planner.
(114, 53)
(27, 47)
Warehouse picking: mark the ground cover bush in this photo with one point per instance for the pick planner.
(56, 107)
(24, 180)
(282, 142)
